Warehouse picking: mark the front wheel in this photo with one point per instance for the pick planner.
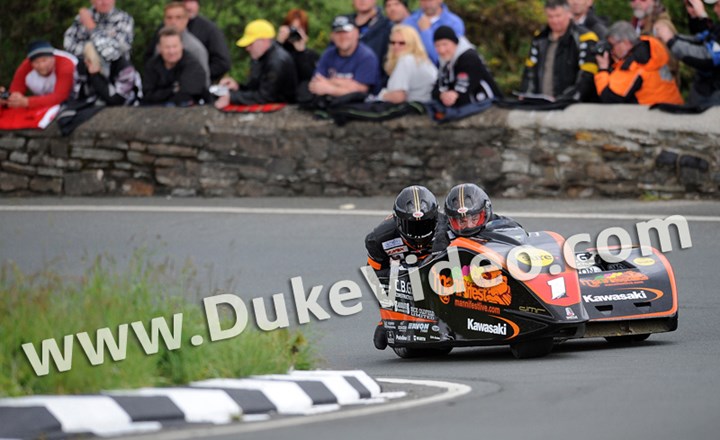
(532, 349)
(411, 353)
(627, 339)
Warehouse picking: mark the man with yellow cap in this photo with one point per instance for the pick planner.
(273, 76)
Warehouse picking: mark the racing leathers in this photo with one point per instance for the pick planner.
(573, 67)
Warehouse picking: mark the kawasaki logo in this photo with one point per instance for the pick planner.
(497, 329)
(616, 297)
(423, 327)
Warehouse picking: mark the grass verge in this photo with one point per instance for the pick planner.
(47, 305)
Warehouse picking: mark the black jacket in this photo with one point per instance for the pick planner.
(574, 66)
(695, 52)
(272, 79)
(213, 39)
(182, 85)
(305, 61)
(467, 75)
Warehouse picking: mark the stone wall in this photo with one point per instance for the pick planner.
(584, 151)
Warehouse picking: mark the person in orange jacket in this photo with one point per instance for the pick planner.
(640, 73)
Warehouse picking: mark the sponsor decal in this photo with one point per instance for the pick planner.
(391, 336)
(482, 327)
(499, 294)
(402, 307)
(403, 286)
(403, 338)
(419, 326)
(402, 327)
(422, 313)
(614, 278)
(570, 314)
(631, 295)
(397, 250)
(536, 257)
(533, 310)
(418, 214)
(589, 269)
(435, 328)
(644, 261)
(419, 338)
(389, 324)
(392, 243)
(434, 338)
(472, 305)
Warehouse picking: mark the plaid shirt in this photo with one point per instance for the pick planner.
(112, 37)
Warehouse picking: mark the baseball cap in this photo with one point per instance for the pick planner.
(710, 2)
(343, 23)
(39, 48)
(256, 30)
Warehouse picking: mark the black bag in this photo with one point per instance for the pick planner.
(373, 111)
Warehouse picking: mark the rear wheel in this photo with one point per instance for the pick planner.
(627, 339)
(410, 353)
(532, 349)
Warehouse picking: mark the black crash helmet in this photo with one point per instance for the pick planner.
(416, 212)
(468, 209)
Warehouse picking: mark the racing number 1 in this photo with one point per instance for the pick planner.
(557, 287)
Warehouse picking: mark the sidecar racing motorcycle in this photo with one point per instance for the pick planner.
(483, 301)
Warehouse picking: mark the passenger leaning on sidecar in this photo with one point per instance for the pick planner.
(469, 213)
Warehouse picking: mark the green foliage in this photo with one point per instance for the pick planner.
(501, 29)
(46, 305)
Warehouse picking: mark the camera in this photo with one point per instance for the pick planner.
(5, 95)
(294, 35)
(601, 47)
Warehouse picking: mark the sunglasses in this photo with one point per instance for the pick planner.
(399, 43)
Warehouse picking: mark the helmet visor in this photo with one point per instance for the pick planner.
(417, 229)
(466, 223)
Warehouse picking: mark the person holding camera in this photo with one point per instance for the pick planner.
(700, 51)
(293, 36)
(639, 74)
(273, 78)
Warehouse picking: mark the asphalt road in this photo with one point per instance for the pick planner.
(666, 388)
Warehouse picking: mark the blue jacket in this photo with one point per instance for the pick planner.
(446, 18)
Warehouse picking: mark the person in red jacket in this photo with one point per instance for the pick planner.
(640, 73)
(49, 74)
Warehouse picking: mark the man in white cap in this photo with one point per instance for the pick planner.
(273, 77)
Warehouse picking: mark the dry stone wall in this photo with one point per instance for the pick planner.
(584, 151)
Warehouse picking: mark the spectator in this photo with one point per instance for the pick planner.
(646, 13)
(46, 72)
(397, 10)
(212, 38)
(431, 15)
(463, 77)
(374, 27)
(173, 77)
(347, 66)
(702, 52)
(293, 35)
(640, 73)
(122, 86)
(412, 74)
(107, 29)
(560, 64)
(584, 14)
(272, 73)
(176, 16)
